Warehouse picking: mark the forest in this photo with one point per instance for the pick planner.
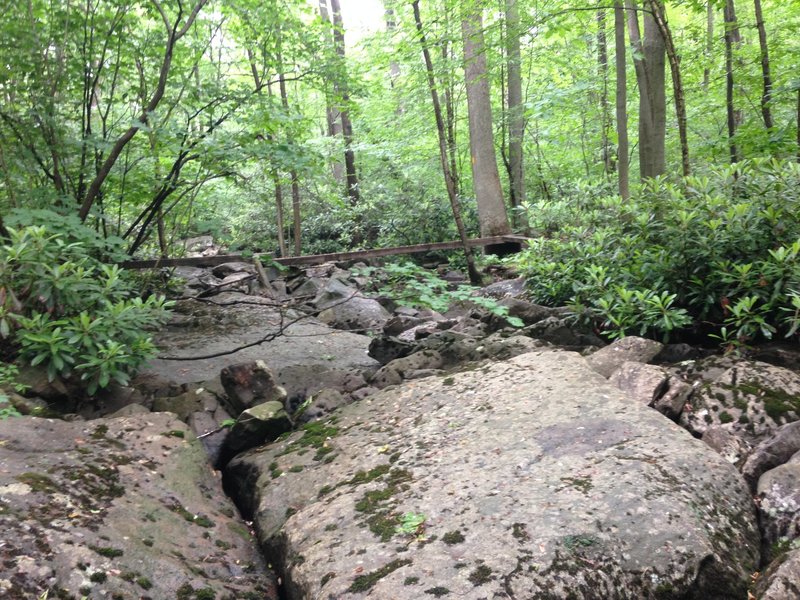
(649, 150)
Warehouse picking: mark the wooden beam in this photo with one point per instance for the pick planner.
(315, 259)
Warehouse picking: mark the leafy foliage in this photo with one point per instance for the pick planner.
(716, 251)
(69, 312)
(411, 285)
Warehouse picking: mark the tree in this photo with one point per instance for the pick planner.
(732, 39)
(649, 60)
(660, 17)
(516, 116)
(621, 99)
(485, 176)
(449, 180)
(766, 96)
(340, 86)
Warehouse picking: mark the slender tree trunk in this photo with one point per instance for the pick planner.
(605, 111)
(293, 172)
(766, 97)
(485, 176)
(276, 180)
(450, 183)
(659, 14)
(331, 112)
(351, 176)
(798, 123)
(731, 38)
(709, 54)
(174, 33)
(450, 115)
(650, 66)
(516, 116)
(621, 99)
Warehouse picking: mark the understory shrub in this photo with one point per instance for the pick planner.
(719, 252)
(416, 287)
(60, 307)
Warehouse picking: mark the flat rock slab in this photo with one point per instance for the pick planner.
(529, 479)
(224, 328)
(119, 508)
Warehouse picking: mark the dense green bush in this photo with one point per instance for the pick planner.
(64, 309)
(720, 252)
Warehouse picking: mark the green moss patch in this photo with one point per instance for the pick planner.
(453, 537)
(362, 583)
(107, 551)
(438, 591)
(480, 575)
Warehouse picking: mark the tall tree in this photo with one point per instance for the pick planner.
(351, 176)
(649, 61)
(732, 39)
(606, 153)
(766, 96)
(449, 179)
(621, 99)
(516, 116)
(174, 32)
(485, 176)
(331, 112)
(660, 17)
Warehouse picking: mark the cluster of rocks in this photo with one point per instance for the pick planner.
(461, 420)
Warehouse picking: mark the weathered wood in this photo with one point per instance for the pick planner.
(314, 259)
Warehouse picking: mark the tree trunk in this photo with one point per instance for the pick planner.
(351, 177)
(659, 15)
(276, 180)
(606, 153)
(621, 100)
(766, 97)
(731, 38)
(485, 176)
(174, 34)
(709, 43)
(516, 116)
(331, 113)
(650, 66)
(292, 172)
(449, 180)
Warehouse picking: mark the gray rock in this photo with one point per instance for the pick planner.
(499, 347)
(356, 313)
(123, 508)
(306, 287)
(673, 400)
(213, 434)
(182, 405)
(508, 288)
(529, 312)
(772, 452)
(386, 349)
(322, 403)
(229, 268)
(781, 581)
(395, 371)
(335, 291)
(364, 392)
(226, 328)
(129, 411)
(256, 426)
(400, 323)
(628, 349)
(249, 384)
(751, 398)
(302, 381)
(642, 382)
(557, 484)
(732, 448)
(779, 505)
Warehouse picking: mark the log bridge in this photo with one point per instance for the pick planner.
(505, 243)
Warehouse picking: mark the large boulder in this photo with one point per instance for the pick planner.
(529, 479)
(750, 398)
(772, 452)
(250, 384)
(118, 508)
(628, 349)
(355, 313)
(779, 504)
(781, 581)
